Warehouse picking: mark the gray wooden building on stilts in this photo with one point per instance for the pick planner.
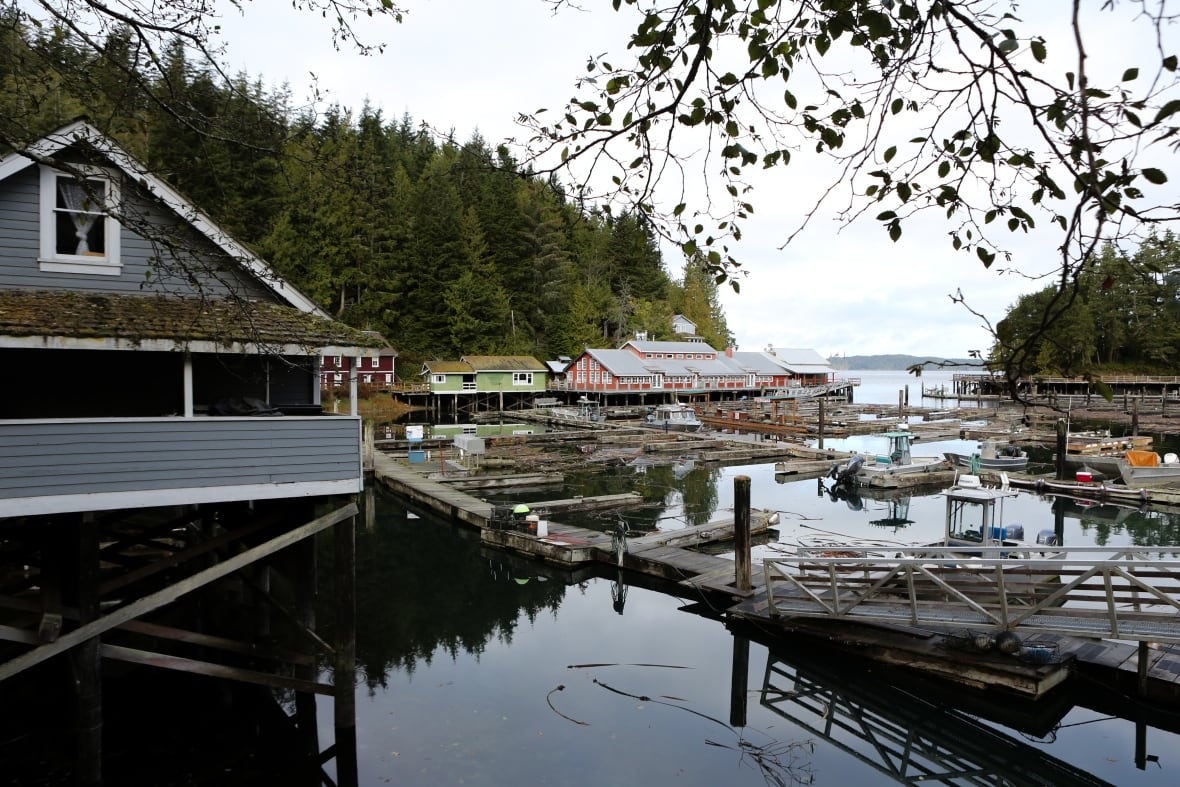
(164, 460)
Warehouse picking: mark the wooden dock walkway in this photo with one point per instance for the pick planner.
(663, 555)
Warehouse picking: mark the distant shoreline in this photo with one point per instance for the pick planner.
(899, 363)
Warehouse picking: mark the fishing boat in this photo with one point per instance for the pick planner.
(674, 417)
(1140, 469)
(881, 469)
(1010, 459)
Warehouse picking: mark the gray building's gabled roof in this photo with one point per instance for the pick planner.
(83, 133)
(91, 320)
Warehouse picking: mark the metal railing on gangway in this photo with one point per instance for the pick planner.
(1129, 593)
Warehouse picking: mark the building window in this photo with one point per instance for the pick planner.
(373, 362)
(77, 233)
(522, 378)
(438, 379)
(336, 361)
(368, 378)
(336, 378)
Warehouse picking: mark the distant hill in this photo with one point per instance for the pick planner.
(894, 362)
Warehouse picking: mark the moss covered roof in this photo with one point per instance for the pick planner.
(61, 314)
(504, 363)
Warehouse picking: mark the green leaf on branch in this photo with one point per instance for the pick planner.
(1156, 176)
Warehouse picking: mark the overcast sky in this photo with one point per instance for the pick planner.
(472, 65)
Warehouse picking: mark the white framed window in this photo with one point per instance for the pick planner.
(368, 378)
(388, 378)
(374, 362)
(522, 378)
(336, 361)
(78, 234)
(336, 378)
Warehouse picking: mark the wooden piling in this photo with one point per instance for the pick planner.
(1062, 440)
(1144, 663)
(304, 554)
(739, 677)
(345, 672)
(87, 657)
(741, 532)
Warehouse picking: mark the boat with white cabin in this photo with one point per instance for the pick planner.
(675, 417)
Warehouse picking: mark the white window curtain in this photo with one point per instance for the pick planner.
(74, 196)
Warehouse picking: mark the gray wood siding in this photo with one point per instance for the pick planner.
(20, 245)
(76, 457)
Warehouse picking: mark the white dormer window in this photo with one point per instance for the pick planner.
(78, 234)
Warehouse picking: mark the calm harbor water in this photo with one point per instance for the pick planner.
(475, 668)
(479, 669)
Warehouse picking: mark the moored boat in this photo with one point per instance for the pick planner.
(674, 417)
(1145, 468)
(1008, 459)
(868, 470)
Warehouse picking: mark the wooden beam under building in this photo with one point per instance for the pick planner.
(170, 594)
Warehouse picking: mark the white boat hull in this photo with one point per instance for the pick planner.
(1004, 464)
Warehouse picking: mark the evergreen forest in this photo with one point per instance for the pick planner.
(1121, 315)
(446, 247)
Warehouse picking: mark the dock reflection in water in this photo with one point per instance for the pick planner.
(909, 737)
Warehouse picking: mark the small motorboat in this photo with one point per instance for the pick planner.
(1146, 469)
(868, 470)
(1010, 459)
(675, 418)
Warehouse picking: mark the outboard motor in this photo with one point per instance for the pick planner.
(848, 474)
(1047, 537)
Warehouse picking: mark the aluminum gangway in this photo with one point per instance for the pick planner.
(1125, 593)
